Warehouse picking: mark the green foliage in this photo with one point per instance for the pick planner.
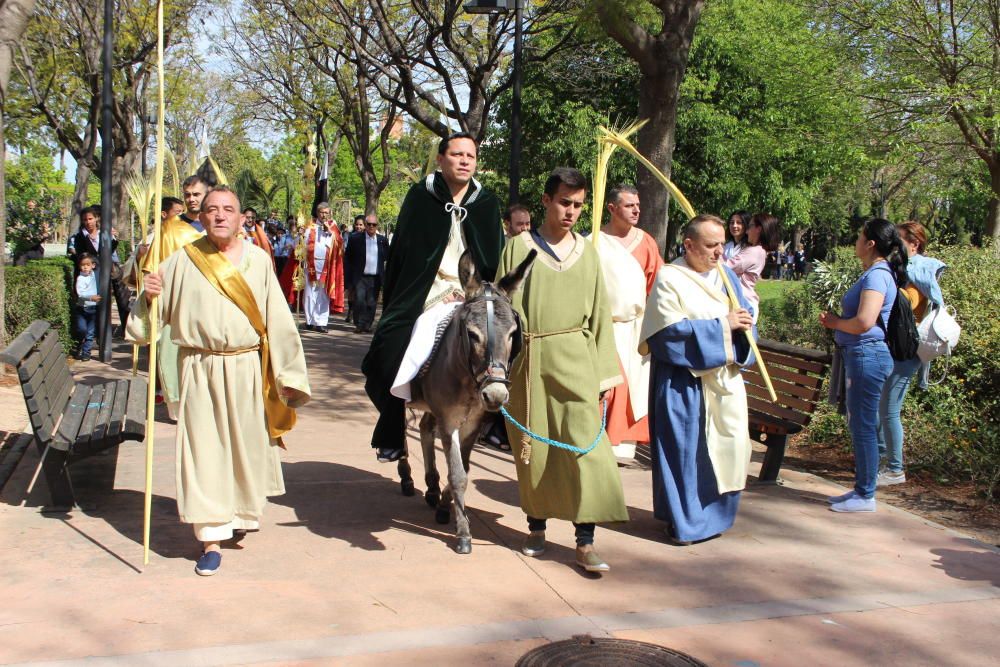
(767, 119)
(40, 290)
(952, 427)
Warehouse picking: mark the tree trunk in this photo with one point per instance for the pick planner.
(992, 228)
(79, 201)
(658, 93)
(14, 15)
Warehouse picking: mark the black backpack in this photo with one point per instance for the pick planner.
(901, 335)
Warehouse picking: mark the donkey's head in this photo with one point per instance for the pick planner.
(489, 328)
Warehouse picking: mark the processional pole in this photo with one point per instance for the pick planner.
(154, 306)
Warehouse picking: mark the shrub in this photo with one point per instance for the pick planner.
(952, 428)
(40, 290)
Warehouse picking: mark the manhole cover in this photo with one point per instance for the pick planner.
(585, 650)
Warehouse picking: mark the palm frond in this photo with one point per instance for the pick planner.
(140, 196)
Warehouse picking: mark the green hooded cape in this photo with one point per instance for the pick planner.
(414, 257)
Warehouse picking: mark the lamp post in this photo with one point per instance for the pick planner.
(496, 7)
(107, 210)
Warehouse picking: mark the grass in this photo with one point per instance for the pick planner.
(773, 290)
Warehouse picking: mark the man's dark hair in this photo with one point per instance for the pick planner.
(619, 190)
(359, 216)
(168, 203)
(250, 208)
(443, 145)
(95, 209)
(514, 208)
(568, 176)
(192, 180)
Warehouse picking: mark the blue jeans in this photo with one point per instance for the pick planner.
(86, 325)
(866, 366)
(890, 432)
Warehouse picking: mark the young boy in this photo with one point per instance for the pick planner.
(86, 301)
(568, 361)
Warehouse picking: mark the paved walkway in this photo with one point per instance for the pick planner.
(348, 571)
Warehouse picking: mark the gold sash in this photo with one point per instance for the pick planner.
(226, 278)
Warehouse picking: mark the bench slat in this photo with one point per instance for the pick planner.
(37, 367)
(768, 408)
(104, 415)
(21, 346)
(794, 351)
(69, 427)
(90, 416)
(135, 412)
(792, 362)
(811, 381)
(783, 399)
(118, 411)
(766, 423)
(753, 377)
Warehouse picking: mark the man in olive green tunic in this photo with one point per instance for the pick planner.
(568, 362)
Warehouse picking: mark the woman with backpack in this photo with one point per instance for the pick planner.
(860, 333)
(922, 290)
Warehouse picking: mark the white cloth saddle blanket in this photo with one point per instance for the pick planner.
(423, 342)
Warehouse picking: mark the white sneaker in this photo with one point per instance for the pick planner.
(854, 504)
(842, 497)
(886, 478)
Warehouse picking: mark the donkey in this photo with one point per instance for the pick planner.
(465, 379)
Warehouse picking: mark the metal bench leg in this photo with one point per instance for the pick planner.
(57, 478)
(772, 459)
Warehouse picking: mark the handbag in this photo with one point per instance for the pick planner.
(939, 333)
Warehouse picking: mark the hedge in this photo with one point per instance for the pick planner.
(40, 290)
(952, 429)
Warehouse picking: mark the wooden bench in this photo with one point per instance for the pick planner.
(797, 375)
(71, 421)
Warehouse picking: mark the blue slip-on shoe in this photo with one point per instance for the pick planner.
(208, 564)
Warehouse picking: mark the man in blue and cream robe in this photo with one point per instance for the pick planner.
(700, 442)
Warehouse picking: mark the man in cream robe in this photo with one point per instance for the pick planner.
(231, 413)
(174, 235)
(630, 260)
(698, 407)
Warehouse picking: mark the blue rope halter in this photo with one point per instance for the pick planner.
(556, 443)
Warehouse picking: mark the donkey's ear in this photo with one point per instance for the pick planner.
(467, 275)
(511, 282)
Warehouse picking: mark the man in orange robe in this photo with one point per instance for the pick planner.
(630, 260)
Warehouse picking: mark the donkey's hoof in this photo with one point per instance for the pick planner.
(442, 516)
(406, 486)
(432, 498)
(464, 545)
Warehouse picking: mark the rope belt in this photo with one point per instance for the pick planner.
(529, 338)
(224, 353)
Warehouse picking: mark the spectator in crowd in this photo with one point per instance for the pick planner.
(924, 293)
(860, 335)
(85, 307)
(88, 240)
(739, 223)
(516, 219)
(748, 263)
(800, 262)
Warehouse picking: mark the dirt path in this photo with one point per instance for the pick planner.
(956, 506)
